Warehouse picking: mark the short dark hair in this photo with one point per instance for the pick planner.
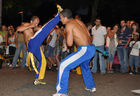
(123, 20)
(34, 17)
(67, 13)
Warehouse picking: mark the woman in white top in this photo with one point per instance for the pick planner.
(12, 43)
(111, 44)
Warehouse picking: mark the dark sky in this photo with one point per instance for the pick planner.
(114, 11)
(110, 11)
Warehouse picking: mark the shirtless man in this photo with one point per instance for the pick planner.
(34, 42)
(27, 29)
(76, 32)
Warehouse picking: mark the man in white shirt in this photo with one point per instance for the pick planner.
(98, 33)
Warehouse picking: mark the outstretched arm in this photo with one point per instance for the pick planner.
(25, 26)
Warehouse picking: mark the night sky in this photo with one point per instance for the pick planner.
(110, 11)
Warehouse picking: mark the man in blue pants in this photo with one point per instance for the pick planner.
(76, 32)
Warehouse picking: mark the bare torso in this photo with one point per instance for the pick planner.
(79, 33)
(28, 34)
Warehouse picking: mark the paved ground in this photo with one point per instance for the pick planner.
(19, 82)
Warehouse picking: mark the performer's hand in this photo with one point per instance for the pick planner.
(59, 8)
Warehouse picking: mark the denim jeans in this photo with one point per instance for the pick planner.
(123, 58)
(21, 46)
(101, 61)
(111, 54)
(49, 52)
(134, 61)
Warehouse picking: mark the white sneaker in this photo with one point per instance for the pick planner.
(37, 82)
(131, 73)
(58, 94)
(91, 90)
(136, 91)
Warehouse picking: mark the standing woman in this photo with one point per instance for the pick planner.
(111, 44)
(12, 43)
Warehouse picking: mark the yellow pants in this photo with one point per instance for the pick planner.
(78, 69)
(40, 71)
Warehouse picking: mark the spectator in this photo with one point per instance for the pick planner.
(51, 43)
(89, 26)
(12, 44)
(99, 33)
(4, 32)
(19, 48)
(116, 29)
(65, 50)
(134, 28)
(111, 44)
(77, 17)
(134, 55)
(131, 22)
(124, 38)
(59, 43)
(108, 29)
(1, 39)
(7, 35)
(128, 24)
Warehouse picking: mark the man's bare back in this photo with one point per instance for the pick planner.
(77, 32)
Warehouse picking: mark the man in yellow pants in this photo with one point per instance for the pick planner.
(34, 42)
